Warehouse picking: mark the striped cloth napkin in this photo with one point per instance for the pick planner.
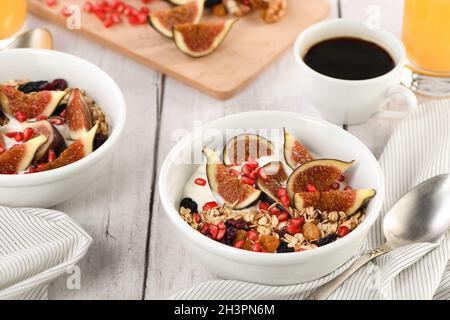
(419, 149)
(36, 246)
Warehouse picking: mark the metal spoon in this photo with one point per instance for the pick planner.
(421, 215)
(39, 38)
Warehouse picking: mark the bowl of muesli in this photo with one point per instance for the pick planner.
(271, 197)
(60, 118)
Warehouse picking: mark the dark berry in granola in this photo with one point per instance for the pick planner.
(326, 240)
(212, 3)
(283, 248)
(190, 204)
(33, 86)
(56, 85)
(99, 140)
(230, 236)
(238, 224)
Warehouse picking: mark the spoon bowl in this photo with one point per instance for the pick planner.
(38, 38)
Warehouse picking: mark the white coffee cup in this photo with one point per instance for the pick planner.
(353, 101)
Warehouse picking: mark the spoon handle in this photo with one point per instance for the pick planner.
(324, 291)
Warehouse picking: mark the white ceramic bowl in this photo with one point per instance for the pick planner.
(319, 136)
(46, 189)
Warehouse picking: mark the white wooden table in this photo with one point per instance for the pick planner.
(134, 255)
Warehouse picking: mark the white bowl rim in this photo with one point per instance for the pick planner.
(73, 168)
(256, 257)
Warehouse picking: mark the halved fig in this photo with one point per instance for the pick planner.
(19, 157)
(349, 201)
(78, 115)
(55, 141)
(295, 153)
(199, 40)
(163, 21)
(232, 190)
(246, 146)
(276, 179)
(318, 174)
(32, 104)
(76, 151)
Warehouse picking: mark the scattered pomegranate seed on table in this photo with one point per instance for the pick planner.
(200, 182)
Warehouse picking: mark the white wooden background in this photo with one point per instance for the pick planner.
(135, 255)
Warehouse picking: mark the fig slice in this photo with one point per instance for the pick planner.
(246, 146)
(320, 174)
(199, 40)
(229, 187)
(32, 104)
(349, 201)
(77, 116)
(276, 179)
(55, 141)
(163, 21)
(295, 154)
(76, 151)
(19, 157)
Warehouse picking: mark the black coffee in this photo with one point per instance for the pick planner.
(349, 58)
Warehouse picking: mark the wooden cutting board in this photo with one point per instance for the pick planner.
(250, 47)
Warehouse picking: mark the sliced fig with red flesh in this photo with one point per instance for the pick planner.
(55, 141)
(76, 151)
(276, 179)
(349, 201)
(244, 147)
(163, 21)
(232, 190)
(199, 40)
(295, 154)
(77, 115)
(41, 103)
(319, 174)
(20, 156)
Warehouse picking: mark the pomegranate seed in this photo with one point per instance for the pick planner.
(246, 169)
(298, 221)
(341, 178)
(51, 155)
(310, 188)
(239, 244)
(222, 225)
(145, 10)
(200, 182)
(100, 15)
(32, 169)
(195, 216)
(51, 3)
(343, 231)
(56, 121)
(335, 186)
(205, 229)
(256, 247)
(40, 167)
(213, 230)
(21, 116)
(11, 135)
(235, 173)
(27, 134)
(285, 201)
(209, 205)
(264, 205)
(274, 210)
(253, 175)
(348, 188)
(18, 137)
(108, 22)
(248, 181)
(133, 20)
(116, 18)
(142, 17)
(88, 6)
(263, 174)
(221, 234)
(63, 113)
(66, 12)
(292, 229)
(281, 192)
(252, 235)
(283, 217)
(41, 117)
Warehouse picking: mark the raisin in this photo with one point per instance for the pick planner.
(99, 140)
(190, 204)
(230, 236)
(56, 85)
(326, 240)
(212, 3)
(283, 248)
(32, 86)
(238, 224)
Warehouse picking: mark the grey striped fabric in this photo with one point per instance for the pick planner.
(419, 149)
(36, 246)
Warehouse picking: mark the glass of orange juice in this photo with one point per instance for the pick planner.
(426, 36)
(12, 17)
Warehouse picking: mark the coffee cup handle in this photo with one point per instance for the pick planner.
(407, 95)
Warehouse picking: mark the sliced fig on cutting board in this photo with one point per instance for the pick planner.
(319, 174)
(163, 21)
(77, 115)
(276, 179)
(19, 157)
(232, 190)
(199, 40)
(295, 154)
(349, 201)
(32, 104)
(246, 146)
(55, 141)
(76, 151)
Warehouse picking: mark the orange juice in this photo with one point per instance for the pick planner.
(12, 16)
(426, 34)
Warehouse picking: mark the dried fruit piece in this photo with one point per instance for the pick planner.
(19, 157)
(164, 21)
(318, 173)
(276, 179)
(55, 141)
(295, 153)
(233, 191)
(199, 40)
(30, 87)
(347, 201)
(311, 232)
(246, 147)
(190, 204)
(32, 105)
(76, 151)
(77, 115)
(326, 240)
